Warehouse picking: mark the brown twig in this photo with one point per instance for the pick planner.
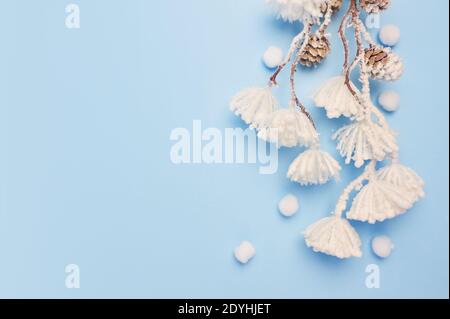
(351, 12)
(292, 77)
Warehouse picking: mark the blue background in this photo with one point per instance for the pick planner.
(86, 178)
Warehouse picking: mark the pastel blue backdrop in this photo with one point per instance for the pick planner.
(86, 178)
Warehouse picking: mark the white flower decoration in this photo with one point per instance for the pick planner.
(380, 200)
(288, 128)
(334, 236)
(403, 177)
(365, 140)
(298, 10)
(314, 167)
(337, 99)
(254, 105)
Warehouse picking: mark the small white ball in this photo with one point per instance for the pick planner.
(288, 206)
(273, 57)
(389, 100)
(244, 252)
(382, 246)
(390, 35)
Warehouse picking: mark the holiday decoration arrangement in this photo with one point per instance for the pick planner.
(367, 140)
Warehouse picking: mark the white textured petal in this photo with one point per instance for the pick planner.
(404, 177)
(298, 10)
(334, 236)
(253, 105)
(337, 99)
(361, 141)
(288, 128)
(379, 200)
(314, 167)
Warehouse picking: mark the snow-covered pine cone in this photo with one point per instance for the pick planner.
(335, 6)
(383, 64)
(375, 6)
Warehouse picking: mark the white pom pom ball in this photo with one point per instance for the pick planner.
(390, 35)
(273, 57)
(288, 206)
(389, 100)
(244, 252)
(382, 246)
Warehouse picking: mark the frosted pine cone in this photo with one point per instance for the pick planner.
(335, 6)
(383, 64)
(375, 6)
(316, 50)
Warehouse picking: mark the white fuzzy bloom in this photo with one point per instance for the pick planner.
(314, 167)
(382, 246)
(365, 140)
(298, 10)
(253, 105)
(391, 71)
(334, 236)
(403, 177)
(337, 99)
(379, 200)
(390, 34)
(288, 128)
(244, 252)
(288, 205)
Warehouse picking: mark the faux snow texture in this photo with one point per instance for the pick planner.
(334, 236)
(379, 200)
(314, 167)
(253, 105)
(337, 99)
(298, 10)
(391, 71)
(403, 177)
(288, 128)
(361, 141)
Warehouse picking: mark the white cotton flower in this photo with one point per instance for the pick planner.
(288, 205)
(382, 246)
(314, 167)
(403, 177)
(244, 252)
(336, 98)
(380, 200)
(288, 128)
(365, 140)
(253, 105)
(298, 10)
(334, 236)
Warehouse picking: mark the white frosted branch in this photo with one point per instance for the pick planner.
(357, 183)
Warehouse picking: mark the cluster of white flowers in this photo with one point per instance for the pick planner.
(381, 194)
(298, 10)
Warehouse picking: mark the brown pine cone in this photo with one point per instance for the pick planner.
(335, 5)
(316, 50)
(376, 56)
(375, 6)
